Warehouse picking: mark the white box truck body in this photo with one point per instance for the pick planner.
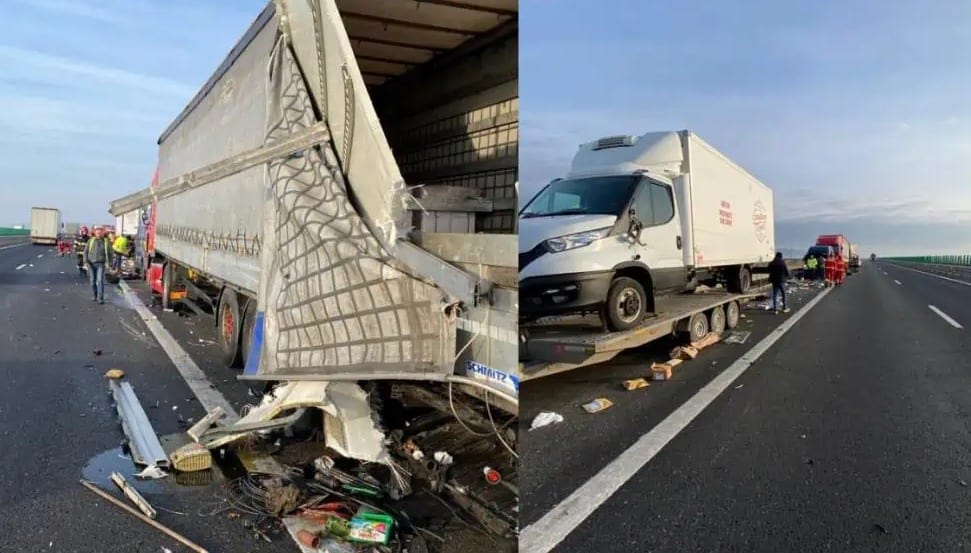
(45, 225)
(637, 217)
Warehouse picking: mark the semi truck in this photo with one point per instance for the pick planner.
(45, 225)
(841, 247)
(309, 200)
(637, 218)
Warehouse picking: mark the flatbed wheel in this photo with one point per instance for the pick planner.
(717, 320)
(732, 312)
(697, 327)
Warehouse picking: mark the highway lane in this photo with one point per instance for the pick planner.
(56, 416)
(558, 459)
(852, 433)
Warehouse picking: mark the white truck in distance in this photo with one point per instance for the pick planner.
(45, 225)
(637, 217)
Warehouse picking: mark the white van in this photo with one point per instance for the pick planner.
(637, 217)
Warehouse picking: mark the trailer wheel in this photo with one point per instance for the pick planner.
(697, 327)
(249, 321)
(732, 312)
(229, 329)
(717, 320)
(626, 301)
(740, 280)
(167, 278)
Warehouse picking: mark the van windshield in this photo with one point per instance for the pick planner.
(587, 196)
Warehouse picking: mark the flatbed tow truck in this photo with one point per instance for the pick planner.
(559, 344)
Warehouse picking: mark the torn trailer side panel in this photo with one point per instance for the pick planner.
(314, 248)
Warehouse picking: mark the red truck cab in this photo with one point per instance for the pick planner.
(838, 242)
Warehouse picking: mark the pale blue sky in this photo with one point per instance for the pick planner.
(87, 87)
(857, 113)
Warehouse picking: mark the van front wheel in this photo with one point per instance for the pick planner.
(626, 304)
(740, 280)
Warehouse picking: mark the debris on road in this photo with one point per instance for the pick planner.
(151, 472)
(710, 339)
(168, 531)
(684, 353)
(191, 457)
(545, 418)
(133, 495)
(737, 337)
(664, 371)
(635, 384)
(144, 443)
(597, 405)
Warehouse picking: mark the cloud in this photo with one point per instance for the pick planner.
(21, 61)
(76, 8)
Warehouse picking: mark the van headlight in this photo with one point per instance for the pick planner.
(578, 240)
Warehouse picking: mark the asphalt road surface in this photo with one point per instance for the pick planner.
(851, 433)
(58, 424)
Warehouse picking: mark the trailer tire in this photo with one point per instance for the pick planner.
(167, 278)
(717, 321)
(626, 302)
(732, 312)
(249, 322)
(697, 327)
(740, 280)
(228, 329)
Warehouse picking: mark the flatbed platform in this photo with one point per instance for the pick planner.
(561, 344)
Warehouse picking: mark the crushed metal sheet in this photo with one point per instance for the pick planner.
(346, 406)
(144, 443)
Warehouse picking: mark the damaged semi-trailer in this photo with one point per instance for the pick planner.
(340, 196)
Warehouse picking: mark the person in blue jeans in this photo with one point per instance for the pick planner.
(778, 274)
(97, 254)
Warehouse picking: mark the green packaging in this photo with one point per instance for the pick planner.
(370, 528)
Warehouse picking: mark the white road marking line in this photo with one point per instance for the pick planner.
(933, 275)
(13, 246)
(944, 316)
(898, 282)
(208, 396)
(40, 255)
(885, 273)
(21, 266)
(547, 532)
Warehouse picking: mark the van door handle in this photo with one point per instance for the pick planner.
(678, 242)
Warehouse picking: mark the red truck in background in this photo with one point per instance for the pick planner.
(839, 243)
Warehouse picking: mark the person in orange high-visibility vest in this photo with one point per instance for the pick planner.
(830, 269)
(840, 270)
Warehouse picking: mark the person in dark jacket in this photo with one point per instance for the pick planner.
(97, 254)
(778, 275)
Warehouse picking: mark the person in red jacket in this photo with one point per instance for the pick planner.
(830, 269)
(840, 270)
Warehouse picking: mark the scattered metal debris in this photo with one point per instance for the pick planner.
(145, 446)
(133, 495)
(169, 532)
